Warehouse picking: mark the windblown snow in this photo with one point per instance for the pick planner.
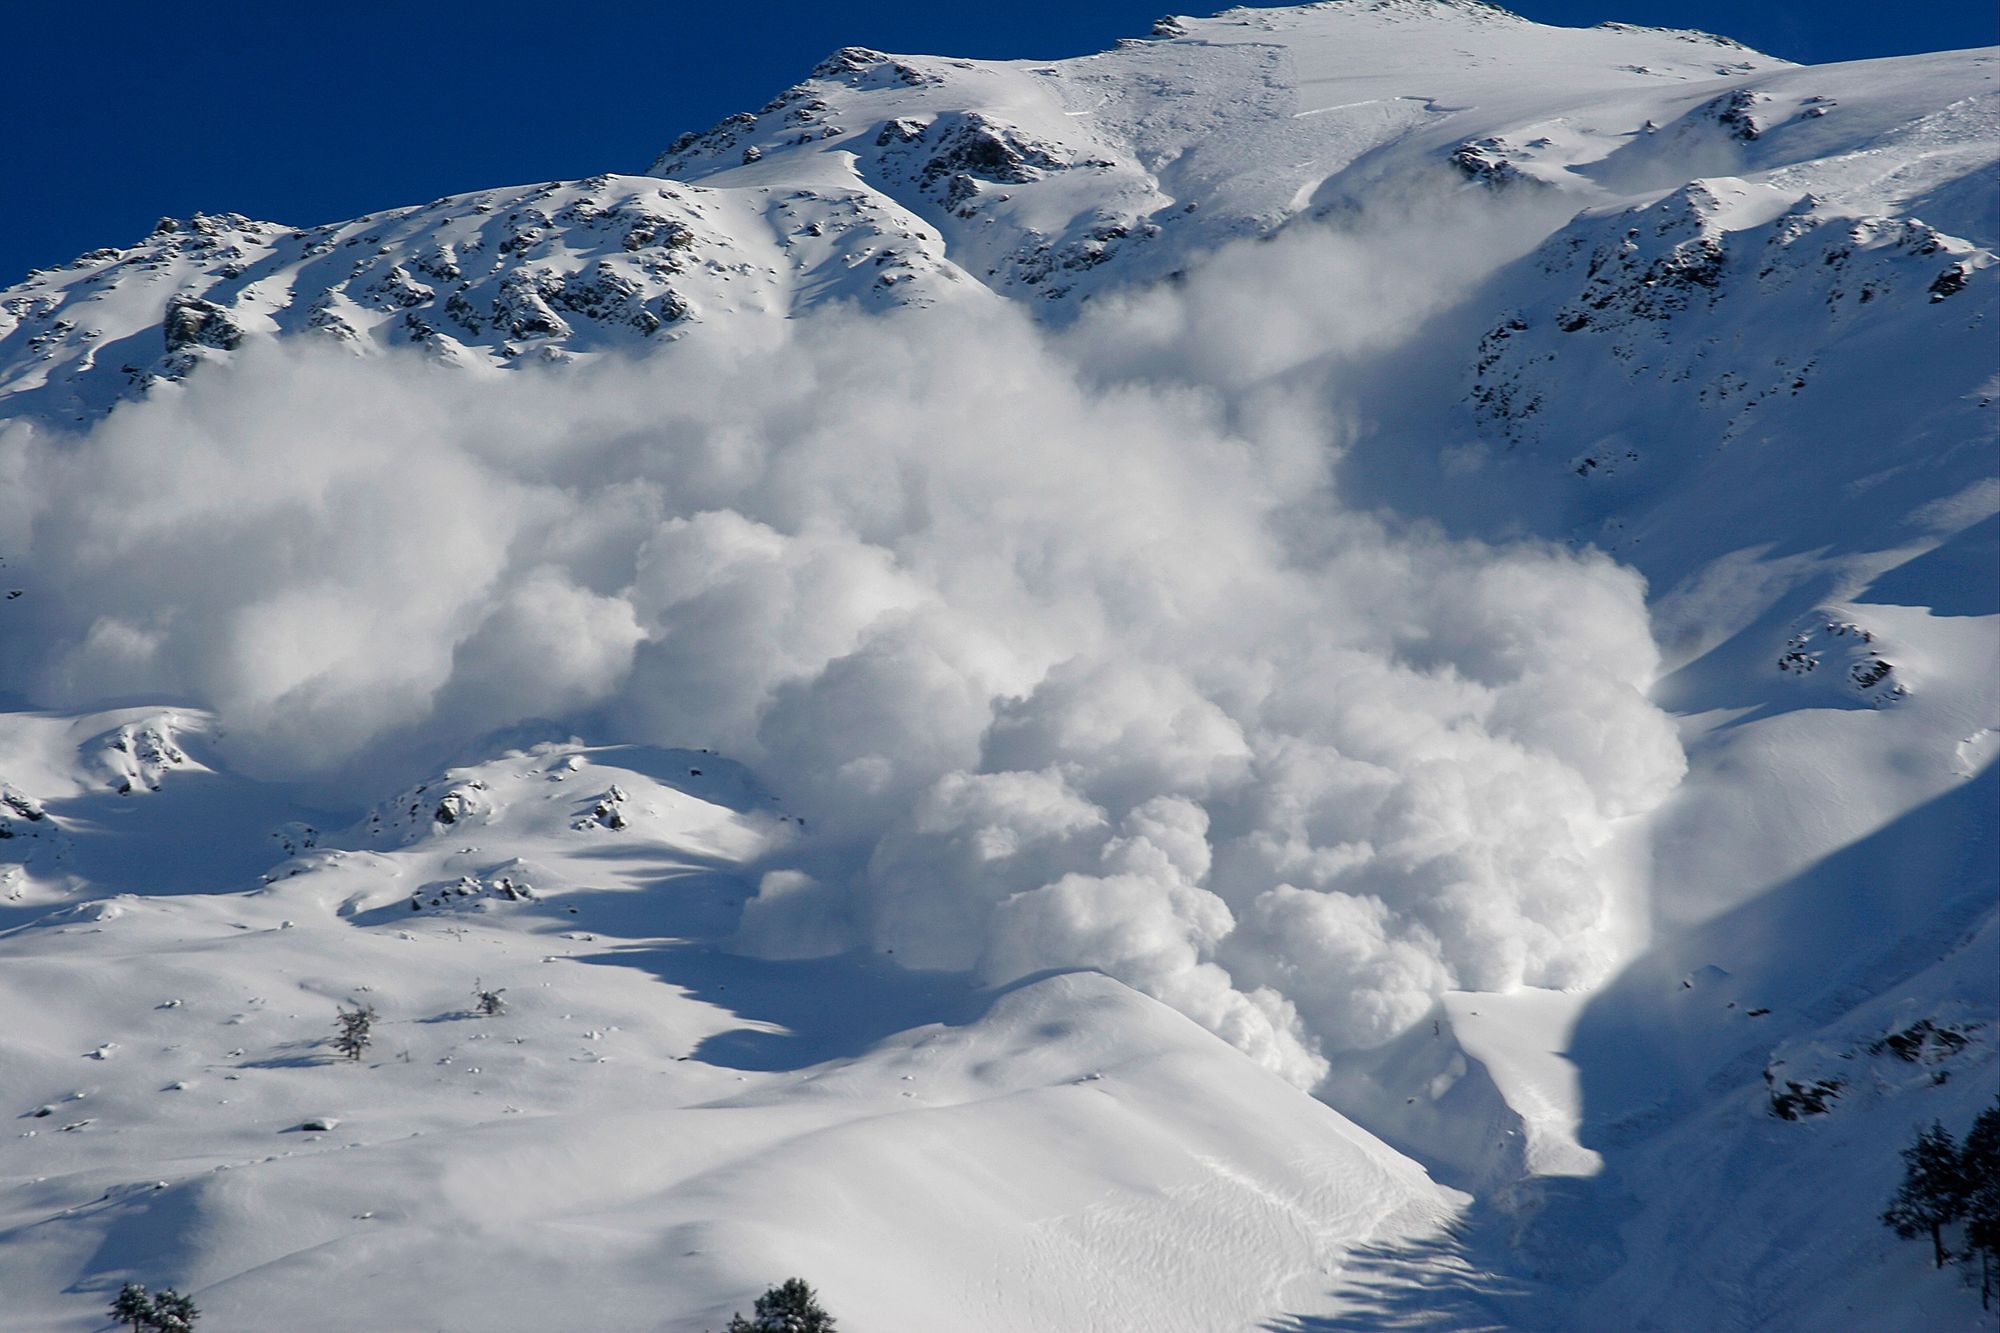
(1280, 678)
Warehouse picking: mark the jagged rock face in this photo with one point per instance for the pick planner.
(480, 279)
(475, 893)
(1722, 292)
(1736, 112)
(138, 755)
(19, 813)
(193, 322)
(1845, 657)
(967, 147)
(1487, 162)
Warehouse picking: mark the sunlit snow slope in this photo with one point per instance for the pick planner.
(1055, 694)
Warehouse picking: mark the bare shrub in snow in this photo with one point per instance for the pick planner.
(353, 1030)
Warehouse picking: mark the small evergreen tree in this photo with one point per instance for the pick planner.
(790, 1307)
(490, 1004)
(173, 1312)
(353, 1030)
(133, 1306)
(1980, 1161)
(1934, 1191)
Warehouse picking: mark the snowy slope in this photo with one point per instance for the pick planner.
(1064, 1153)
(1348, 285)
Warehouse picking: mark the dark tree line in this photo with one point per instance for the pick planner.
(1946, 1183)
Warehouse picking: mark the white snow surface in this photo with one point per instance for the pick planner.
(1334, 670)
(649, 1124)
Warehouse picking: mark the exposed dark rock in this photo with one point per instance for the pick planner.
(194, 322)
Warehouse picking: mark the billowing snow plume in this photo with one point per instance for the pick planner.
(1062, 668)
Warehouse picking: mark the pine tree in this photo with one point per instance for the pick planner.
(1933, 1192)
(173, 1312)
(353, 1030)
(790, 1307)
(133, 1306)
(1980, 1161)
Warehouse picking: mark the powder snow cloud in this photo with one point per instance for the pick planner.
(1065, 643)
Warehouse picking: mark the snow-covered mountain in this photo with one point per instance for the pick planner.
(894, 181)
(1332, 670)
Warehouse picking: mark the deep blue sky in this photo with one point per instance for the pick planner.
(119, 111)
